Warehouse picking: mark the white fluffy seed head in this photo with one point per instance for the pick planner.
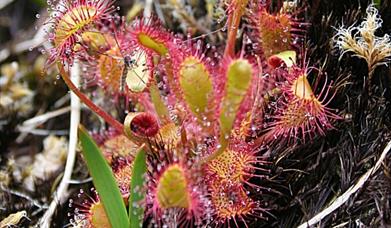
(362, 41)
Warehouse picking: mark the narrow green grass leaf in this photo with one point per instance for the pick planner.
(104, 181)
(137, 189)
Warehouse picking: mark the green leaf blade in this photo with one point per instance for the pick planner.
(137, 189)
(104, 181)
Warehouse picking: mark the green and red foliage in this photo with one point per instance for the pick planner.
(199, 115)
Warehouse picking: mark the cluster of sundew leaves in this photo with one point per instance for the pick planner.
(202, 120)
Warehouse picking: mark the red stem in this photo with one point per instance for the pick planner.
(230, 48)
(236, 12)
(99, 111)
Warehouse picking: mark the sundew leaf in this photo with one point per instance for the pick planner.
(172, 189)
(139, 76)
(239, 75)
(137, 189)
(158, 102)
(289, 57)
(275, 32)
(139, 126)
(104, 181)
(152, 44)
(196, 86)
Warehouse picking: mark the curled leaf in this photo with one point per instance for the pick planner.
(139, 126)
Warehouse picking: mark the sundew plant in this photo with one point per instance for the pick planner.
(190, 118)
(200, 112)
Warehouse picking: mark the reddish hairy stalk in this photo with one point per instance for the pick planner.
(99, 111)
(235, 11)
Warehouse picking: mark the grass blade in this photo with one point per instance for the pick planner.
(104, 181)
(137, 189)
